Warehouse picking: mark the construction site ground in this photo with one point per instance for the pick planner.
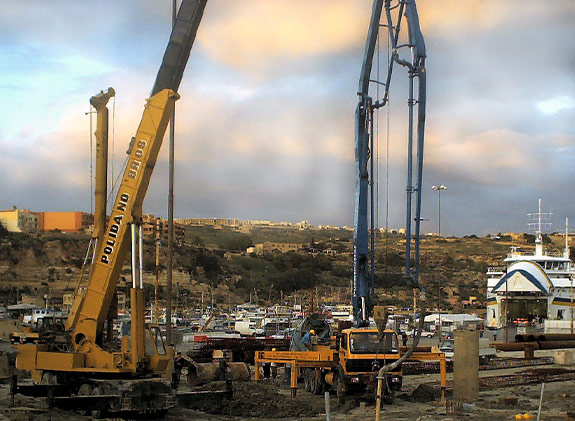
(418, 400)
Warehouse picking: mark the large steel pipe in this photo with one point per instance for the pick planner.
(544, 337)
(555, 337)
(514, 346)
(202, 373)
(556, 344)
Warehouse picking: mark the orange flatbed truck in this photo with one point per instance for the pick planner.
(349, 364)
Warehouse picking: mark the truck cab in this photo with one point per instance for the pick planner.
(362, 352)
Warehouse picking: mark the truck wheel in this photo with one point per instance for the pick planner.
(309, 379)
(84, 390)
(287, 374)
(49, 378)
(95, 413)
(317, 386)
(340, 388)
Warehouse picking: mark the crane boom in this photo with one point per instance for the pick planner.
(362, 299)
(89, 311)
(363, 278)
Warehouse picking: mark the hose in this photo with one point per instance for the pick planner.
(392, 366)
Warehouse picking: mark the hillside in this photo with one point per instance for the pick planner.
(212, 264)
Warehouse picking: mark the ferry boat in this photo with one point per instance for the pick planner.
(535, 291)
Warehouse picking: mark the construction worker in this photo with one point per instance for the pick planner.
(274, 368)
(178, 365)
(307, 339)
(404, 338)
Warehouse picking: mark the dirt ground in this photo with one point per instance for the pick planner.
(271, 401)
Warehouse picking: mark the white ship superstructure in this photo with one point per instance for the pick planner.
(534, 290)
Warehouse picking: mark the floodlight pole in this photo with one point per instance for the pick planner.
(438, 189)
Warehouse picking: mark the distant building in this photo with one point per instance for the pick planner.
(327, 227)
(269, 247)
(65, 221)
(303, 225)
(67, 301)
(223, 222)
(151, 224)
(37, 300)
(19, 220)
(255, 222)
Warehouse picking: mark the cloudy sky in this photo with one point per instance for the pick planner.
(265, 119)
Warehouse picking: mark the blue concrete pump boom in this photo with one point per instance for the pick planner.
(363, 254)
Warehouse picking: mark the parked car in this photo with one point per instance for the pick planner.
(424, 334)
(447, 348)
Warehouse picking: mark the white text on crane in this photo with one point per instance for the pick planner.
(135, 164)
(114, 228)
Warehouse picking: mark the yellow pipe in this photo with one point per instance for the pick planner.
(443, 372)
(378, 400)
(99, 102)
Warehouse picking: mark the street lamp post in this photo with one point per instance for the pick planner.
(438, 190)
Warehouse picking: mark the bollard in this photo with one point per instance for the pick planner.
(529, 351)
(327, 407)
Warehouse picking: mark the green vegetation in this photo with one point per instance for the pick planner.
(213, 261)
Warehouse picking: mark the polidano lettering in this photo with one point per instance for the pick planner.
(135, 164)
(114, 229)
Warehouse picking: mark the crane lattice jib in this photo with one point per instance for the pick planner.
(363, 282)
(89, 311)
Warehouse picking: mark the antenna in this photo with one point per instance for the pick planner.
(566, 253)
(539, 221)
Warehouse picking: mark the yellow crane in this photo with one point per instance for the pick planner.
(78, 358)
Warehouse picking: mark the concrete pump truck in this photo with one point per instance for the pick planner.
(75, 361)
(352, 360)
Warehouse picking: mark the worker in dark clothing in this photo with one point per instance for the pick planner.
(274, 368)
(404, 338)
(178, 365)
(222, 369)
